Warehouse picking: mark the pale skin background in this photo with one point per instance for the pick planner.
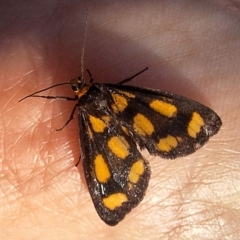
(192, 48)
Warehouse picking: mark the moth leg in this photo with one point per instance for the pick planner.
(70, 118)
(79, 160)
(56, 97)
(130, 78)
(91, 80)
(121, 82)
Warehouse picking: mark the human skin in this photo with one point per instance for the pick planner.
(192, 48)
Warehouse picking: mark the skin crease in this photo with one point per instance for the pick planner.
(190, 47)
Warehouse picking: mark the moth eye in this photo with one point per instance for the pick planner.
(74, 87)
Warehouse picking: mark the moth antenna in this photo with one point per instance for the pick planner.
(84, 43)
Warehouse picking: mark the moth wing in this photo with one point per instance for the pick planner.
(116, 173)
(166, 124)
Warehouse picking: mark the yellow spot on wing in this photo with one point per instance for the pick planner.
(90, 134)
(142, 125)
(128, 94)
(166, 144)
(125, 130)
(98, 125)
(195, 125)
(119, 146)
(101, 169)
(106, 119)
(164, 108)
(115, 200)
(120, 103)
(137, 169)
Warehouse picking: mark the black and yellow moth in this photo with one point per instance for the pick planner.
(114, 121)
